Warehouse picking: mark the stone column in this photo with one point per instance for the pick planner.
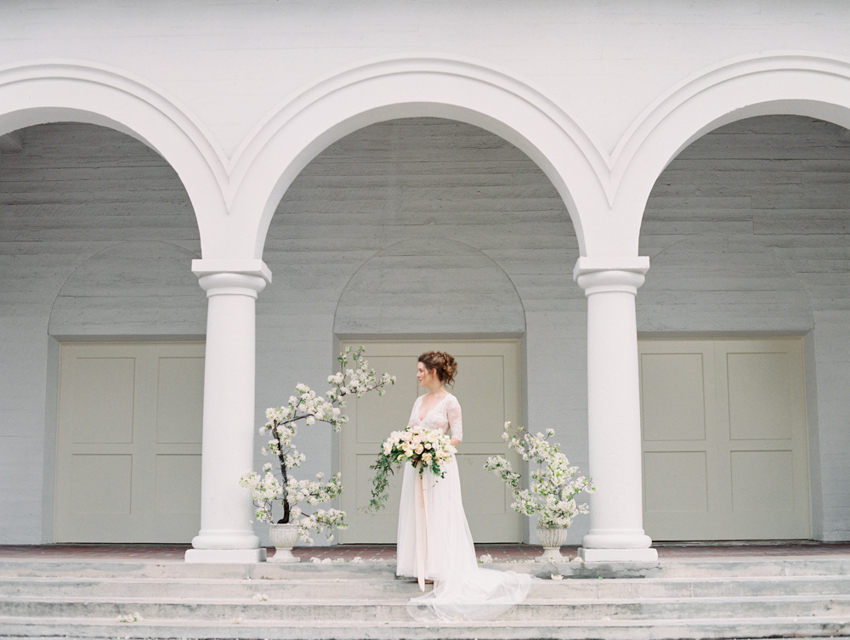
(227, 533)
(613, 397)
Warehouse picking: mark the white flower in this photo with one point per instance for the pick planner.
(130, 617)
(282, 424)
(553, 488)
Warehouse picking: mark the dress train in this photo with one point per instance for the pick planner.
(435, 544)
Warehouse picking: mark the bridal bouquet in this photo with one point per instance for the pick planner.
(422, 448)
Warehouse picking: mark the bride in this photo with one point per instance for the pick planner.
(434, 542)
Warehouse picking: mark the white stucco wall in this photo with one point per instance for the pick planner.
(605, 62)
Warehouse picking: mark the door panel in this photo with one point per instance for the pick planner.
(487, 388)
(763, 443)
(129, 442)
(724, 439)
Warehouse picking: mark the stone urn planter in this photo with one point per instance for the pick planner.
(283, 537)
(552, 539)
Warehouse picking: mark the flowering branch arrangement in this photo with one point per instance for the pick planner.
(278, 485)
(554, 487)
(422, 448)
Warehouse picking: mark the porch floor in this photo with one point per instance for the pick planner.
(386, 553)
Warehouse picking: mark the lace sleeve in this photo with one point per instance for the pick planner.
(455, 418)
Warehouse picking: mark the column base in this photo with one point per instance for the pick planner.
(618, 555)
(231, 556)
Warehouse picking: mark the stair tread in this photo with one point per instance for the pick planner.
(413, 623)
(403, 598)
(369, 580)
(51, 599)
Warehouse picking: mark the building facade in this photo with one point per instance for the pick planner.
(199, 204)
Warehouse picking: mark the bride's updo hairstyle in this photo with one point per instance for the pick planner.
(442, 363)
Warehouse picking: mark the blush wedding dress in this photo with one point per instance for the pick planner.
(434, 541)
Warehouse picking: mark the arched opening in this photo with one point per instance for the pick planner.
(744, 319)
(399, 212)
(97, 236)
(431, 287)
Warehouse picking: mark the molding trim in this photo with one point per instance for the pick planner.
(593, 264)
(246, 266)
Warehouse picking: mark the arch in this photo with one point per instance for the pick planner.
(771, 84)
(44, 92)
(464, 292)
(129, 289)
(721, 283)
(291, 137)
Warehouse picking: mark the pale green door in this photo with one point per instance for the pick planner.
(128, 462)
(725, 453)
(487, 388)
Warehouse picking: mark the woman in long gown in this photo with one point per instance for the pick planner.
(434, 541)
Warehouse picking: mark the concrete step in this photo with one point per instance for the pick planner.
(835, 565)
(393, 609)
(369, 587)
(242, 628)
(741, 598)
(753, 567)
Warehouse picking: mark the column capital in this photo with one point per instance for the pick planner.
(600, 274)
(232, 277)
(244, 266)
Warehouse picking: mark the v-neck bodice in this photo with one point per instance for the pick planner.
(445, 416)
(422, 401)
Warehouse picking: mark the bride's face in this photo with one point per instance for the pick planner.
(426, 376)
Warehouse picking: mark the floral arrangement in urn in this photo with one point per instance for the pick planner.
(278, 485)
(553, 489)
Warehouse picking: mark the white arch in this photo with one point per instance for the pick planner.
(771, 84)
(49, 91)
(284, 143)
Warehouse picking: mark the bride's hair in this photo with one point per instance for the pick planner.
(442, 363)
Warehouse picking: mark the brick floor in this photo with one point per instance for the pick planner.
(386, 553)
